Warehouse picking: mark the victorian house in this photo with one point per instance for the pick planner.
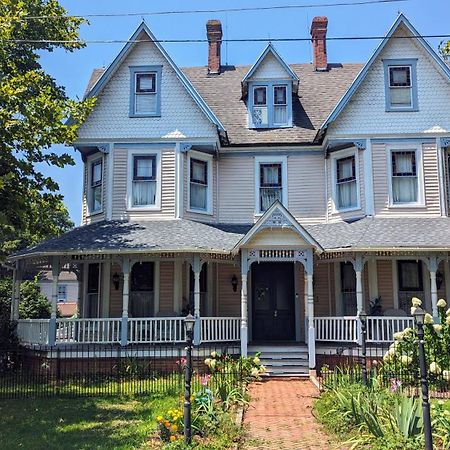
(274, 201)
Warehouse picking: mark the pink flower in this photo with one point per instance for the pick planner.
(182, 362)
(395, 384)
(204, 380)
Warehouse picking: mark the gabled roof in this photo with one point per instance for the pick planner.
(277, 216)
(401, 20)
(98, 85)
(270, 49)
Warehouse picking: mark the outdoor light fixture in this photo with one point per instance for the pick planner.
(189, 323)
(234, 282)
(116, 281)
(419, 316)
(439, 279)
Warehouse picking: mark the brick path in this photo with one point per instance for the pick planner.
(280, 417)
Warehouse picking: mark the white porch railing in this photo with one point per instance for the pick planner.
(220, 329)
(381, 329)
(336, 329)
(156, 330)
(33, 331)
(100, 331)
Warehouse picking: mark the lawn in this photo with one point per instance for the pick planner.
(88, 423)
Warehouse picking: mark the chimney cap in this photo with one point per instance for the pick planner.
(319, 22)
(214, 28)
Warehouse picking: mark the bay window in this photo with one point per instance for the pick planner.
(198, 185)
(346, 183)
(96, 177)
(144, 181)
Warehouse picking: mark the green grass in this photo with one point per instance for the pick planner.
(91, 423)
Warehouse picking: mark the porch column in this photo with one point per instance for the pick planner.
(432, 267)
(305, 301)
(309, 267)
(52, 323)
(197, 268)
(244, 303)
(125, 301)
(358, 264)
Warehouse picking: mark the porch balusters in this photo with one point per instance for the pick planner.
(125, 301)
(52, 323)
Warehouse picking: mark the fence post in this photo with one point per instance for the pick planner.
(124, 331)
(52, 331)
(363, 321)
(118, 369)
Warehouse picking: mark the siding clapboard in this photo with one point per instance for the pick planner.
(385, 285)
(166, 287)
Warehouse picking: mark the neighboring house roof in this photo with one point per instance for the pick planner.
(64, 276)
(102, 76)
(67, 309)
(318, 93)
(401, 20)
(184, 235)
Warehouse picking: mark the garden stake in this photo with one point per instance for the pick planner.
(419, 315)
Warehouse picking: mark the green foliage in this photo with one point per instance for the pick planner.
(408, 416)
(33, 305)
(7, 327)
(440, 413)
(34, 115)
(444, 49)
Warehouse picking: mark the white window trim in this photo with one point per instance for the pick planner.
(136, 152)
(283, 160)
(407, 146)
(334, 158)
(209, 160)
(90, 161)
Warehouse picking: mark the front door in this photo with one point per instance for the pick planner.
(273, 308)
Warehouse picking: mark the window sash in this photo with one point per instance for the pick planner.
(400, 90)
(401, 167)
(260, 101)
(410, 276)
(137, 159)
(280, 101)
(393, 83)
(342, 169)
(143, 193)
(270, 175)
(96, 173)
(62, 293)
(199, 171)
(140, 77)
(405, 181)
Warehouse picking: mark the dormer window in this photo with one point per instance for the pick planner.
(400, 85)
(270, 105)
(145, 96)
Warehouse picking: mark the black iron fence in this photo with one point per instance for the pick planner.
(346, 365)
(96, 370)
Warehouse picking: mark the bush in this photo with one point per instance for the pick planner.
(33, 305)
(7, 327)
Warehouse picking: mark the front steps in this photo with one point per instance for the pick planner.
(283, 360)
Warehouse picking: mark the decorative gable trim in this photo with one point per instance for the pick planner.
(277, 216)
(401, 19)
(270, 49)
(143, 28)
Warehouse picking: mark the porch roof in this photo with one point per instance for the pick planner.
(145, 236)
(369, 233)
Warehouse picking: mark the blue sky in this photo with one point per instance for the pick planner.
(72, 70)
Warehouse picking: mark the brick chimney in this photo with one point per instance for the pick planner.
(214, 34)
(319, 42)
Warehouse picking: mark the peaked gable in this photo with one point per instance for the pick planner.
(139, 35)
(278, 217)
(400, 24)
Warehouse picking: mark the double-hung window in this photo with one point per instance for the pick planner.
(401, 85)
(144, 183)
(405, 180)
(346, 184)
(62, 293)
(270, 106)
(270, 184)
(198, 199)
(145, 91)
(96, 186)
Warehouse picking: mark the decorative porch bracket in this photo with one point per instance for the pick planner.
(52, 323)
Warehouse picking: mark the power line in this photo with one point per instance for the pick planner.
(212, 11)
(200, 41)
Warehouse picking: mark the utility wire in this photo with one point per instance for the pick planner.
(224, 10)
(199, 41)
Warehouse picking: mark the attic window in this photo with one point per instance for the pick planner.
(145, 98)
(401, 85)
(270, 105)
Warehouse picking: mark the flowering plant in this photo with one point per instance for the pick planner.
(403, 357)
(170, 425)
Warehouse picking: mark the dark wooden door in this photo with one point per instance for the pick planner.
(273, 315)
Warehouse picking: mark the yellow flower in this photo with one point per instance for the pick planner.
(413, 310)
(159, 419)
(208, 361)
(434, 368)
(214, 354)
(398, 336)
(173, 428)
(406, 360)
(428, 319)
(256, 361)
(173, 438)
(447, 320)
(446, 375)
(437, 328)
(167, 424)
(441, 303)
(416, 301)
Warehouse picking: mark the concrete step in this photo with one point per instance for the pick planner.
(252, 349)
(303, 356)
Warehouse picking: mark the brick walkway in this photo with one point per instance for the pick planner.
(280, 417)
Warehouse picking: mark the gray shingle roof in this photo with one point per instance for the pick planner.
(186, 235)
(156, 235)
(318, 93)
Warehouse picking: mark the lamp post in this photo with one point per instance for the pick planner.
(363, 320)
(419, 316)
(189, 323)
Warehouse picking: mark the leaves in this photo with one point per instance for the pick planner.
(34, 115)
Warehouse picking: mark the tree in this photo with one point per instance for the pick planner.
(35, 113)
(444, 49)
